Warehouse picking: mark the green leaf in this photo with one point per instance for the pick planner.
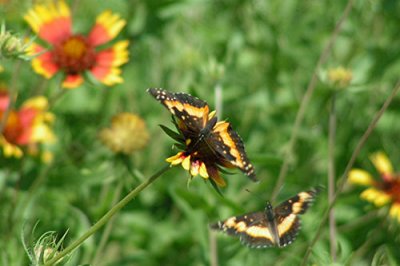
(172, 134)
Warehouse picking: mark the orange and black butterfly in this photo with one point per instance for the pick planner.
(272, 227)
(206, 139)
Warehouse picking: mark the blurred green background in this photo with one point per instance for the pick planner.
(262, 55)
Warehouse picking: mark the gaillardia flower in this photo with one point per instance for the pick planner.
(207, 144)
(383, 191)
(26, 128)
(127, 134)
(73, 54)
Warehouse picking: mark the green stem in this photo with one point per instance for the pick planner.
(107, 230)
(103, 220)
(305, 102)
(12, 94)
(343, 179)
(331, 175)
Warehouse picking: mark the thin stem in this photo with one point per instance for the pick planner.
(12, 94)
(306, 99)
(218, 99)
(106, 217)
(58, 95)
(213, 248)
(331, 175)
(32, 191)
(107, 230)
(349, 165)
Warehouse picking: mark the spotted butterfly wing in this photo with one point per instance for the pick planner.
(191, 111)
(251, 228)
(273, 227)
(228, 144)
(287, 215)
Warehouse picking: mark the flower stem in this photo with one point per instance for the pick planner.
(331, 175)
(349, 165)
(103, 220)
(108, 228)
(218, 98)
(12, 94)
(213, 248)
(304, 102)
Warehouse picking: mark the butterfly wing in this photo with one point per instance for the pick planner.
(228, 145)
(287, 215)
(192, 113)
(251, 228)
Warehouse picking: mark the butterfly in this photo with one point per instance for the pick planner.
(272, 227)
(207, 139)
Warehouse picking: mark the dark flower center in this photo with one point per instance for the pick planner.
(74, 55)
(392, 187)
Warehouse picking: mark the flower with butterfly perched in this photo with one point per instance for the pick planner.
(383, 191)
(75, 54)
(207, 144)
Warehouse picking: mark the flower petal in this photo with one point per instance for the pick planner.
(107, 26)
(203, 170)
(378, 197)
(10, 150)
(107, 62)
(186, 163)
(4, 100)
(52, 22)
(26, 117)
(72, 81)
(360, 177)
(395, 211)
(43, 63)
(195, 168)
(382, 163)
(39, 103)
(176, 159)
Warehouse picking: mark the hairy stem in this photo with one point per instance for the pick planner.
(305, 101)
(106, 217)
(349, 165)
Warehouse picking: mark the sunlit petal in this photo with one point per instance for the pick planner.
(395, 211)
(360, 177)
(382, 163)
(107, 26)
(378, 197)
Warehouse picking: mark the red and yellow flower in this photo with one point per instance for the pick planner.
(73, 54)
(26, 128)
(383, 191)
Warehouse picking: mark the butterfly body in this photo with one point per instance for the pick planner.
(207, 139)
(272, 227)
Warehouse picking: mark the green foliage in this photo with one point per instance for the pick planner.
(262, 54)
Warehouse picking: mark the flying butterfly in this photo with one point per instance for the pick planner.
(204, 135)
(272, 227)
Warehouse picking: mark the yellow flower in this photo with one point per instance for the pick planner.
(340, 76)
(127, 134)
(383, 191)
